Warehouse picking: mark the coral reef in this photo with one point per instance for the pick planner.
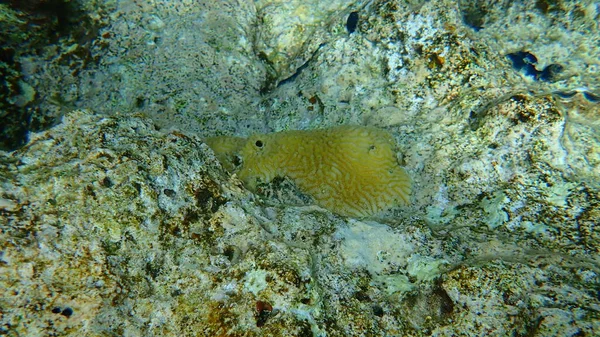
(350, 170)
(120, 220)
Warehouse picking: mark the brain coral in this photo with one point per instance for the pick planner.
(350, 170)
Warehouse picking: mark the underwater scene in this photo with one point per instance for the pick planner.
(299, 168)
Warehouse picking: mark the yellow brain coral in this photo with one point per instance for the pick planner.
(350, 170)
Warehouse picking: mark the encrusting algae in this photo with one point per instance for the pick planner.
(350, 170)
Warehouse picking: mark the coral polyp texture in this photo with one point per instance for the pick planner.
(350, 170)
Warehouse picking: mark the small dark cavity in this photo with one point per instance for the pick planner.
(89, 191)
(203, 196)
(591, 97)
(259, 143)
(526, 62)
(377, 310)
(169, 192)
(106, 182)
(547, 6)
(208, 198)
(419, 49)
(67, 312)
(362, 296)
(229, 252)
(56, 310)
(352, 22)
(519, 98)
(542, 5)
(154, 269)
(316, 101)
(476, 119)
(137, 186)
(140, 102)
(263, 312)
(236, 161)
(446, 304)
(7, 55)
(551, 72)
(435, 61)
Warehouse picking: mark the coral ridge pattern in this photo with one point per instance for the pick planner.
(350, 170)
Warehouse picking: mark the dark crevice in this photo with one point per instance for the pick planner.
(32, 26)
(525, 62)
(301, 68)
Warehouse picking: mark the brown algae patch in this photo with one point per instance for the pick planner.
(350, 170)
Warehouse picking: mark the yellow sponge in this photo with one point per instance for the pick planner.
(350, 170)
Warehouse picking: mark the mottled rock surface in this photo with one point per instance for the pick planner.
(120, 220)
